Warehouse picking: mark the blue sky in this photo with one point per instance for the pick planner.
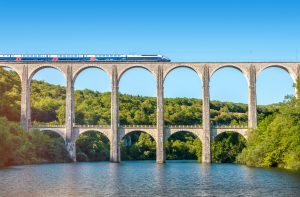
(232, 30)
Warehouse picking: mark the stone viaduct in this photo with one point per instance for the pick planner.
(159, 70)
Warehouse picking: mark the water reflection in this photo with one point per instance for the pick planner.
(146, 178)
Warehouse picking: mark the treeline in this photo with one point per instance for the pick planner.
(92, 107)
(276, 141)
(20, 147)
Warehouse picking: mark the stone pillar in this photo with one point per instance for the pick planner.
(114, 145)
(160, 148)
(69, 121)
(297, 76)
(206, 147)
(25, 99)
(252, 114)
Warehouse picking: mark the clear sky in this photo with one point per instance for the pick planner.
(215, 30)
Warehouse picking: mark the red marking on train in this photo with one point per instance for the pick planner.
(92, 58)
(18, 58)
(54, 58)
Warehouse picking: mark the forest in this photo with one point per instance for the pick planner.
(91, 107)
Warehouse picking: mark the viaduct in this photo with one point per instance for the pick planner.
(159, 70)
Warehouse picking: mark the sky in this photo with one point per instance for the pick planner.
(190, 30)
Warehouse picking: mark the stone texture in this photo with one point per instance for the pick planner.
(115, 148)
(206, 147)
(160, 148)
(159, 71)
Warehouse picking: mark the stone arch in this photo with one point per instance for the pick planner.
(82, 131)
(183, 154)
(126, 132)
(57, 131)
(242, 132)
(34, 71)
(168, 71)
(283, 67)
(172, 132)
(80, 70)
(237, 67)
(18, 71)
(123, 71)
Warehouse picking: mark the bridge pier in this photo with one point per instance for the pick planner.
(70, 138)
(114, 145)
(25, 99)
(252, 113)
(160, 142)
(206, 146)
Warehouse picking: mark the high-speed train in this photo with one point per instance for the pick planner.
(68, 57)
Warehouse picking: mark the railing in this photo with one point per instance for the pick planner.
(138, 126)
(143, 126)
(184, 126)
(93, 126)
(230, 127)
(47, 126)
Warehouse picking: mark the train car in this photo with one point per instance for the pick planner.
(78, 57)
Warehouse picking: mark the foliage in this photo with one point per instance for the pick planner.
(184, 146)
(92, 146)
(92, 107)
(19, 147)
(226, 146)
(276, 141)
(138, 146)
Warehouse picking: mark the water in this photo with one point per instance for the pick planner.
(146, 178)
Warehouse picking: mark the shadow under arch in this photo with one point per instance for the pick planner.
(91, 146)
(138, 145)
(226, 146)
(55, 134)
(183, 145)
(10, 88)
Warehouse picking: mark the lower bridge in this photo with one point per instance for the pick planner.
(152, 130)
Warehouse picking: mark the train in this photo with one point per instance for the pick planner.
(68, 57)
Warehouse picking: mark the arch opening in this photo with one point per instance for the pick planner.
(274, 85)
(183, 97)
(138, 145)
(229, 97)
(184, 145)
(137, 97)
(48, 97)
(226, 146)
(10, 88)
(92, 146)
(92, 97)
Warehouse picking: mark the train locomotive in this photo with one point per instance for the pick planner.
(68, 57)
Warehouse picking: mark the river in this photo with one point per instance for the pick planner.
(146, 178)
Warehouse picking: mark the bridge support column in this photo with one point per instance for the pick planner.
(25, 99)
(206, 147)
(297, 94)
(252, 114)
(160, 145)
(70, 138)
(115, 147)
